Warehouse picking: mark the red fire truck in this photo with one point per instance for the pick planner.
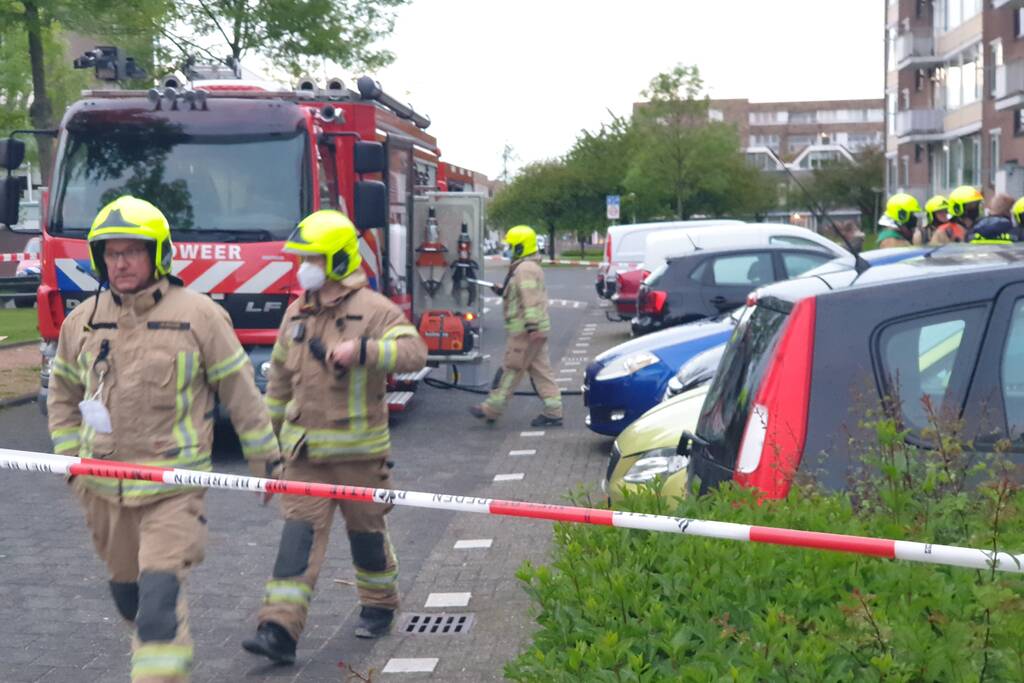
(234, 165)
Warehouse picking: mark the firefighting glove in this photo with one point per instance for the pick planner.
(498, 289)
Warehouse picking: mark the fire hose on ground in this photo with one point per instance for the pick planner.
(909, 551)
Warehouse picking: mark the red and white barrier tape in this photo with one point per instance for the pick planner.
(12, 258)
(954, 556)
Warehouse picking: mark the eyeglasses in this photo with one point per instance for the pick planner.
(127, 255)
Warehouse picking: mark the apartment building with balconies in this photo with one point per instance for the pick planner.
(803, 133)
(954, 96)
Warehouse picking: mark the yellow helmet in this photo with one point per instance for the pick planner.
(902, 208)
(522, 240)
(1018, 211)
(130, 218)
(961, 197)
(936, 203)
(330, 234)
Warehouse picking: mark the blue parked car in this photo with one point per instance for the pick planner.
(626, 381)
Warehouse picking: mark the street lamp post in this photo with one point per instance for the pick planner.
(632, 200)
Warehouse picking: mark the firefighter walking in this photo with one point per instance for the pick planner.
(134, 380)
(326, 395)
(527, 323)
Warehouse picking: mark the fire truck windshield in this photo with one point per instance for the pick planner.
(214, 188)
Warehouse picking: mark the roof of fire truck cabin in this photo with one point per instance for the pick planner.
(223, 116)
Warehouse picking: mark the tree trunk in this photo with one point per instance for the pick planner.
(41, 111)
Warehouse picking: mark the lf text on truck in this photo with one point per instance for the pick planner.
(234, 164)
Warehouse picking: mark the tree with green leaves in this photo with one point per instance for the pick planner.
(292, 34)
(37, 26)
(857, 183)
(685, 164)
(544, 194)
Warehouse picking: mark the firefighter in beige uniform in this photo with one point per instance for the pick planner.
(134, 379)
(326, 394)
(527, 324)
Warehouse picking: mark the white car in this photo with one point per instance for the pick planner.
(624, 247)
(663, 245)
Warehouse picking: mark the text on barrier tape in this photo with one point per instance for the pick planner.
(954, 556)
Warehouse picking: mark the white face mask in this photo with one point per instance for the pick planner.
(311, 277)
(94, 413)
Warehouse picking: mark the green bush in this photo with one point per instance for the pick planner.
(620, 605)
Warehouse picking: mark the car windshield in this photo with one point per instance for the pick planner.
(739, 375)
(209, 185)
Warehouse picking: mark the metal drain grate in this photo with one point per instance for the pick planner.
(436, 624)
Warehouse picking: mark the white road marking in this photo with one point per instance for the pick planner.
(473, 543)
(564, 379)
(565, 371)
(410, 665)
(531, 433)
(515, 476)
(448, 599)
(527, 451)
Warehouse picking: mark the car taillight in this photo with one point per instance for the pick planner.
(776, 431)
(652, 301)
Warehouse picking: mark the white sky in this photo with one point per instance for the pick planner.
(534, 72)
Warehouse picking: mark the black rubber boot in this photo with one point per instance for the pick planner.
(545, 421)
(374, 622)
(272, 641)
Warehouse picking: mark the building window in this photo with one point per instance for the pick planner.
(905, 171)
(715, 115)
(937, 168)
(963, 78)
(890, 105)
(955, 162)
(959, 11)
(1018, 123)
(768, 118)
(891, 175)
(876, 115)
(769, 141)
(858, 141)
(994, 153)
(995, 53)
(796, 143)
(972, 160)
(1018, 23)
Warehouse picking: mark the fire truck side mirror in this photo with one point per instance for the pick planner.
(371, 204)
(10, 198)
(12, 153)
(368, 157)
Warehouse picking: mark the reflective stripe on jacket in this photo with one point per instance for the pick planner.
(158, 358)
(339, 413)
(525, 298)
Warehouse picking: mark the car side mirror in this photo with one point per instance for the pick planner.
(371, 204)
(686, 441)
(368, 157)
(12, 153)
(10, 199)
